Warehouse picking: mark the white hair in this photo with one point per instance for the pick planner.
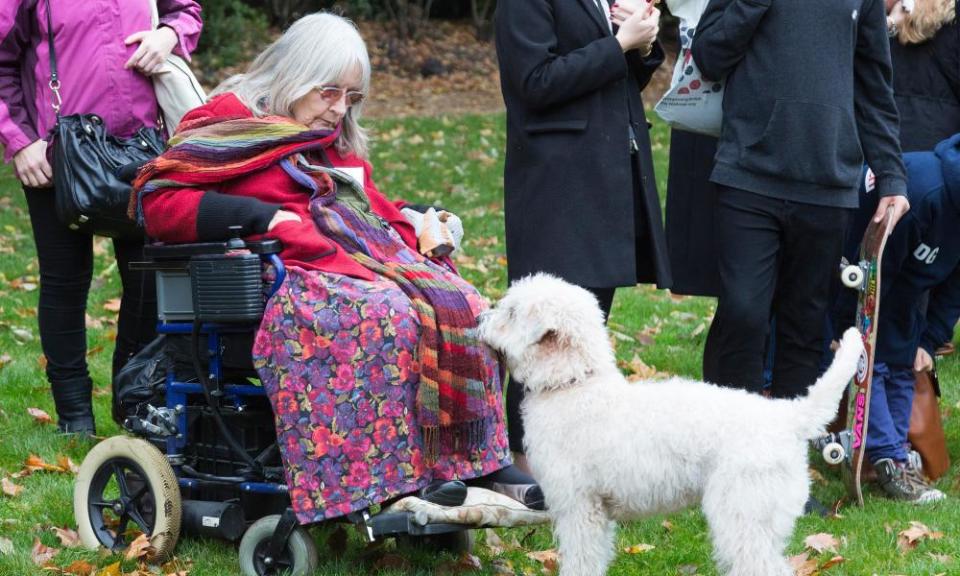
(317, 50)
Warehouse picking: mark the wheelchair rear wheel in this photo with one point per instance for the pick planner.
(298, 559)
(125, 487)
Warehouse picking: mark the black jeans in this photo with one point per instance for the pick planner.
(779, 258)
(66, 270)
(515, 390)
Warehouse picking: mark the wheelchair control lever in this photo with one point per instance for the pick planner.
(236, 242)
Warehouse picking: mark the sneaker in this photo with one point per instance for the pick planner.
(914, 462)
(914, 474)
(898, 484)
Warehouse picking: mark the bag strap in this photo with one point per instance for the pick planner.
(154, 14)
(54, 77)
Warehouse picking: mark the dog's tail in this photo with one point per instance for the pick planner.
(820, 405)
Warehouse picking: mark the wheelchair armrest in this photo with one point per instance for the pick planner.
(265, 246)
(159, 252)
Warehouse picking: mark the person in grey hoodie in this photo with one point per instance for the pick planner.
(808, 96)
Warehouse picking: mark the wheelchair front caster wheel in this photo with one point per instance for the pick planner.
(299, 558)
(833, 453)
(852, 276)
(125, 487)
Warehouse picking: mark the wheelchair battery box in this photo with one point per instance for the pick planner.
(227, 287)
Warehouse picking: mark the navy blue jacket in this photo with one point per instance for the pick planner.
(922, 255)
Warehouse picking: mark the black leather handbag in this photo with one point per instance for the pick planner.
(90, 193)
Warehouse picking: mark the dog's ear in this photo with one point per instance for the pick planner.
(550, 337)
(550, 342)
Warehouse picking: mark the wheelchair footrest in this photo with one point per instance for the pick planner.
(394, 523)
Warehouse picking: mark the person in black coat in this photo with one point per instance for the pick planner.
(925, 53)
(579, 191)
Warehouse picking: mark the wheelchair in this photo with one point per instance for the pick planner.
(201, 456)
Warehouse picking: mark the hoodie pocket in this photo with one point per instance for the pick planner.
(807, 142)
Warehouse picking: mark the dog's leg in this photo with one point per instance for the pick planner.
(751, 515)
(585, 537)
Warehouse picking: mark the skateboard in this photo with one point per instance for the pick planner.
(848, 447)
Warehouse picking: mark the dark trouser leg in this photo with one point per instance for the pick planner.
(748, 241)
(137, 322)
(515, 390)
(811, 250)
(66, 267)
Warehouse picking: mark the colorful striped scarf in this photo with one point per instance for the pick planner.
(211, 150)
(450, 398)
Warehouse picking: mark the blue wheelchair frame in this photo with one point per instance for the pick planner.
(171, 427)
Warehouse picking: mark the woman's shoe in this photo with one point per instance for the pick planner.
(530, 495)
(74, 407)
(80, 426)
(444, 492)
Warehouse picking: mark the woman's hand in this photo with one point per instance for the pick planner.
(155, 46)
(282, 216)
(923, 362)
(31, 167)
(639, 24)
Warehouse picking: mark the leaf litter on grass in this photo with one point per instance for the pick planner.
(908, 539)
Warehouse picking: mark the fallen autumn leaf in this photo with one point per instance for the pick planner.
(40, 416)
(821, 542)
(41, 554)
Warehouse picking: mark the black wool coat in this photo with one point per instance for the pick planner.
(926, 85)
(572, 204)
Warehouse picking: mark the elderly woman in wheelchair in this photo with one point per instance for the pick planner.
(367, 350)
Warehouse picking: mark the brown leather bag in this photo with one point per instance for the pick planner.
(926, 429)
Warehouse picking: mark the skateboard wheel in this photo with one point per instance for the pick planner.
(833, 453)
(852, 276)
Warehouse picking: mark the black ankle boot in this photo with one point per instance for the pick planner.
(73, 399)
(516, 484)
(444, 492)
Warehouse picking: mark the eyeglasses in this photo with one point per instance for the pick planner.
(332, 95)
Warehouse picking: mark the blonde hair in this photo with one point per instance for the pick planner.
(317, 50)
(926, 18)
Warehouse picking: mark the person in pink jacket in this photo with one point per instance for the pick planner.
(106, 51)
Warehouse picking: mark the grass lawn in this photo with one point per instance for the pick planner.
(456, 162)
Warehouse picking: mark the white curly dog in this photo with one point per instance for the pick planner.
(603, 449)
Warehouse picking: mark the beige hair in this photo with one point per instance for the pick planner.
(317, 50)
(926, 18)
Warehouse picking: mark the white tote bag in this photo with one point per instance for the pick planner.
(177, 89)
(692, 103)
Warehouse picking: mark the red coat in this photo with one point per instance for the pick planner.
(170, 215)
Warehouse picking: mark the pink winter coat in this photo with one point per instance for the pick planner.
(88, 39)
